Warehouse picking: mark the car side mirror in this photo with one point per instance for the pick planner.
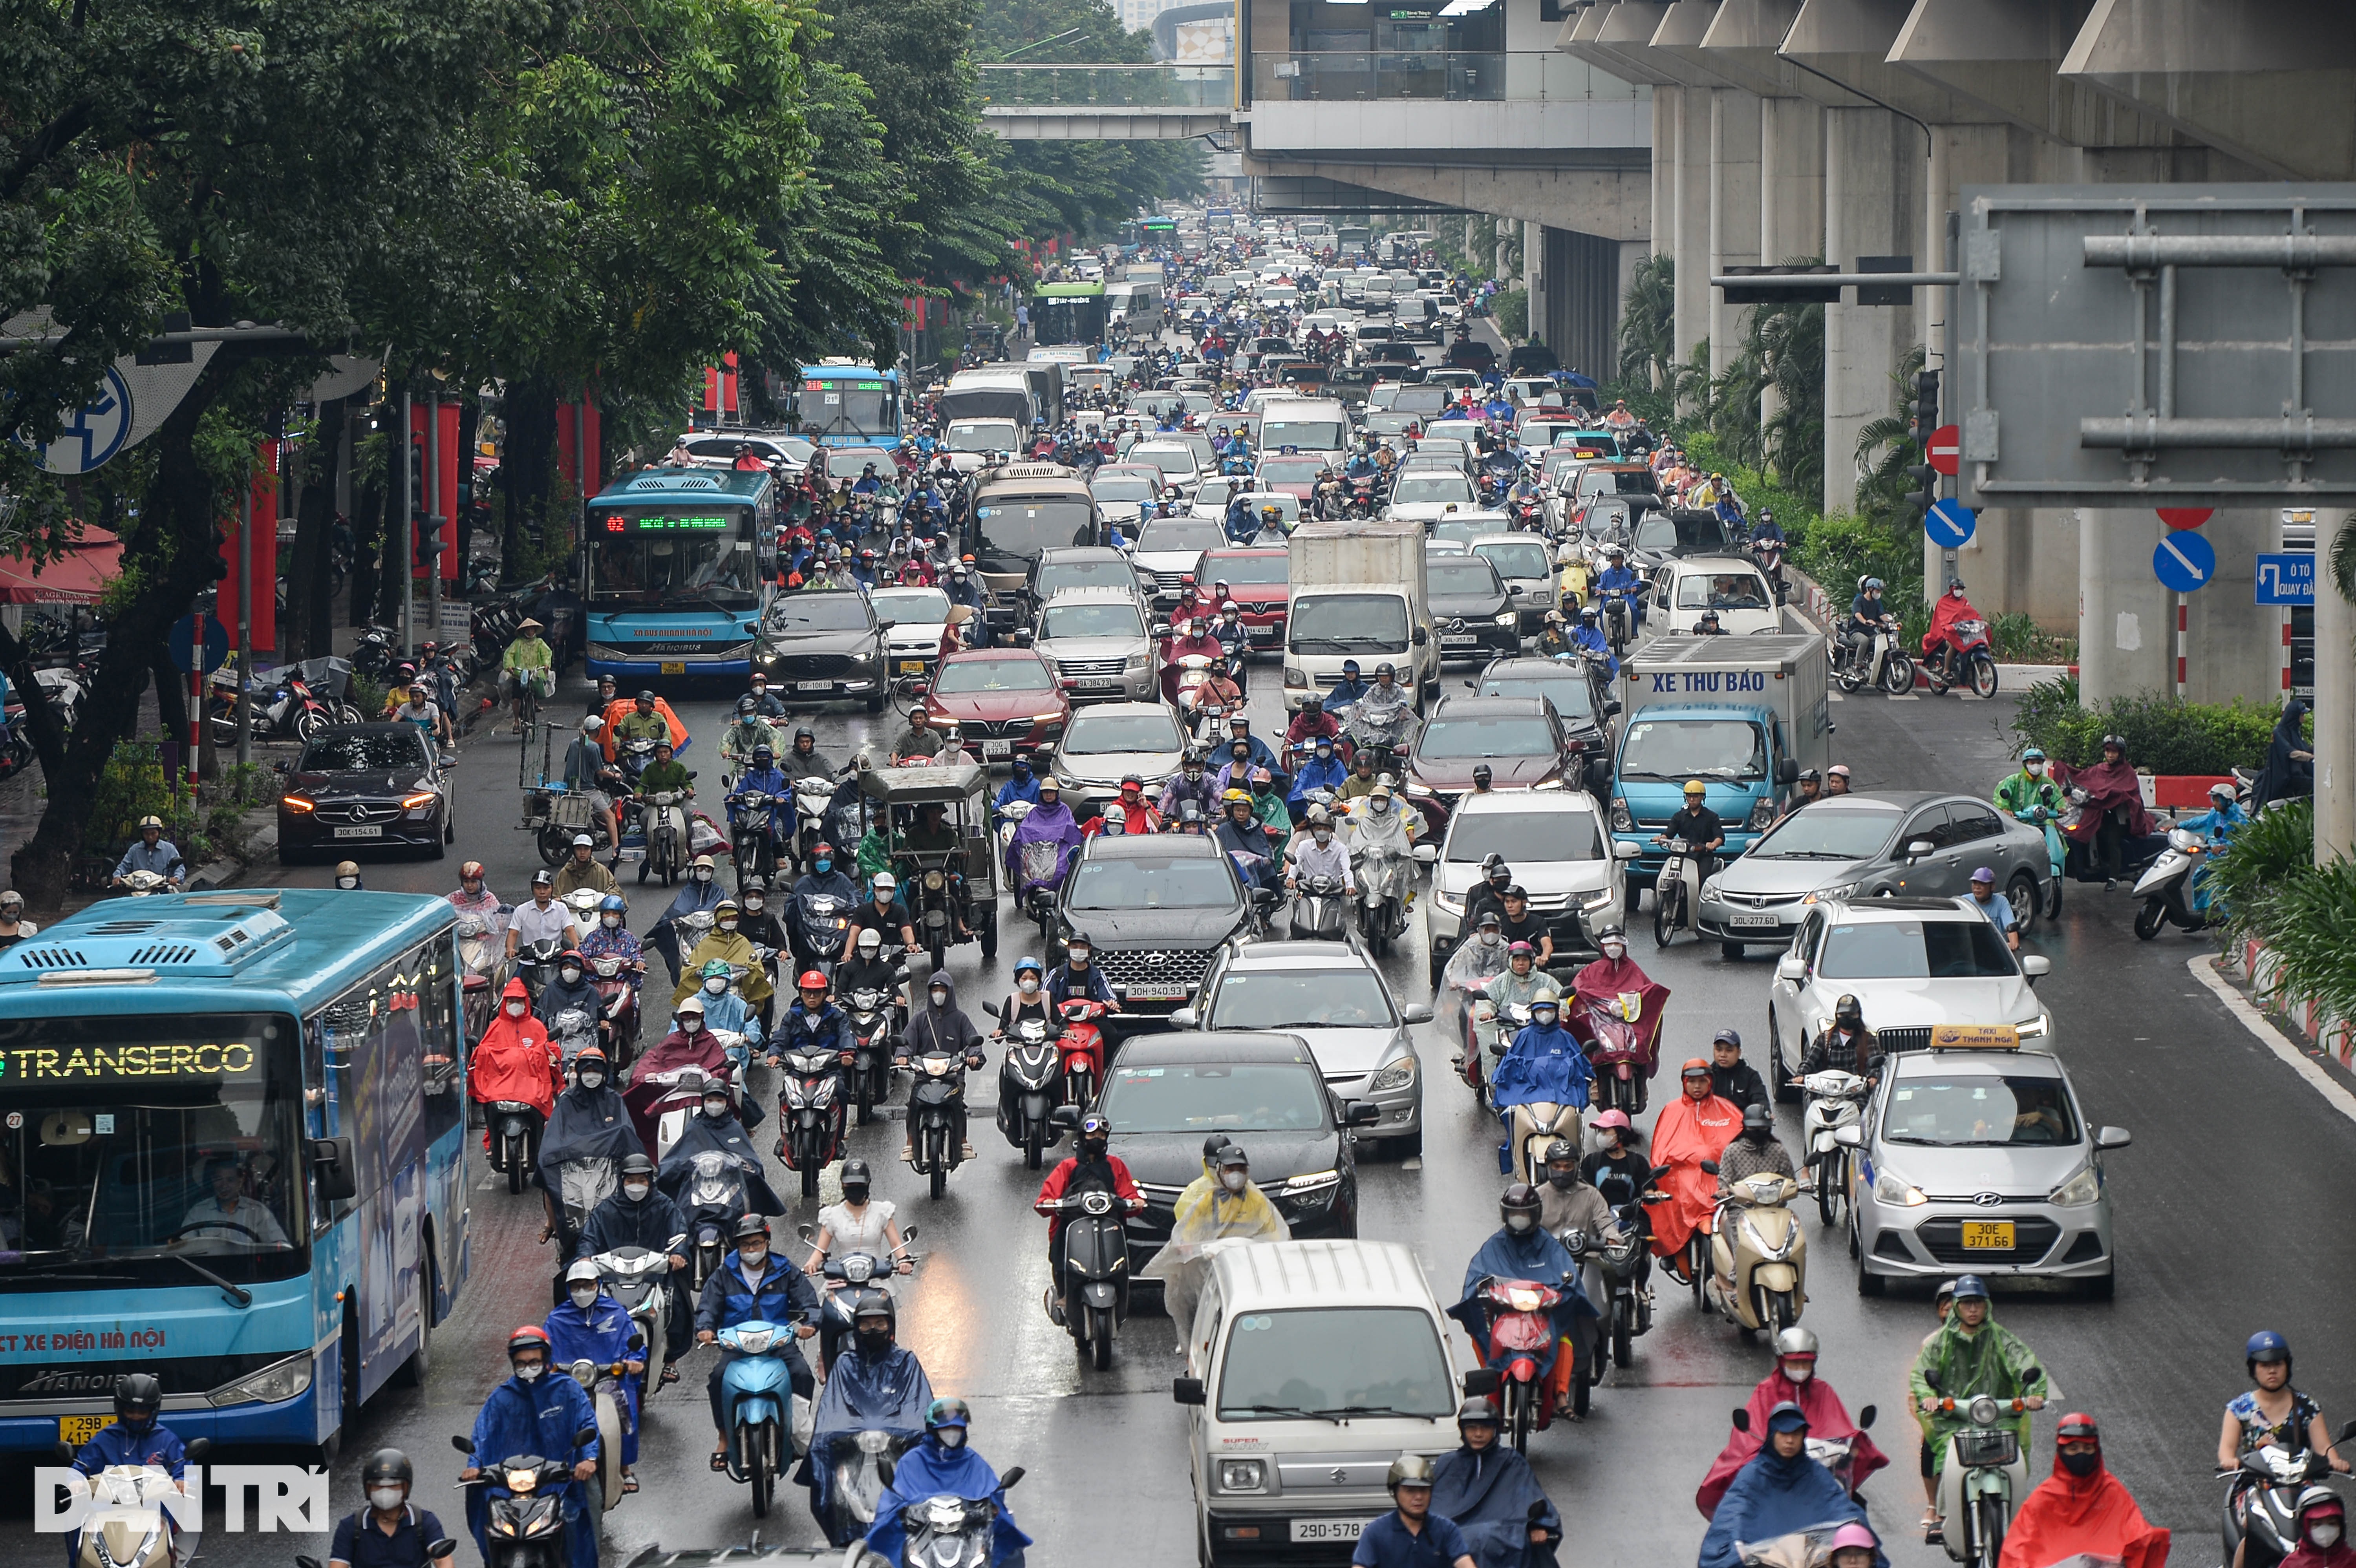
(1792, 967)
(1425, 854)
(1849, 1137)
(1610, 707)
(1362, 1114)
(1161, 629)
(2035, 964)
(1624, 850)
(1787, 772)
(1188, 1390)
(1742, 1418)
(916, 688)
(1064, 1116)
(1515, 589)
(1916, 850)
(885, 626)
(1419, 637)
(1186, 1018)
(1022, 636)
(1418, 1014)
(1483, 1382)
(2112, 1137)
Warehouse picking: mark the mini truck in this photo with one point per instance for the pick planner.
(1744, 715)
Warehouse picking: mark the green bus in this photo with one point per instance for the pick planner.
(1068, 312)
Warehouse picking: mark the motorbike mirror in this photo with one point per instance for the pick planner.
(1624, 850)
(1864, 1417)
(1482, 1382)
(586, 1435)
(301, 1562)
(1658, 1171)
(464, 1444)
(907, 1235)
(1187, 1391)
(1848, 1137)
(1708, 1168)
(1539, 1511)
(900, 973)
(806, 1230)
(435, 1551)
(1011, 1477)
(1418, 1014)
(1266, 895)
(1064, 1116)
(990, 1007)
(199, 1449)
(63, 1453)
(1741, 1419)
(638, 1342)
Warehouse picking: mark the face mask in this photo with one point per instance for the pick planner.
(347, 883)
(1324, 835)
(1615, 950)
(592, 1081)
(1519, 1223)
(583, 1296)
(1563, 1179)
(854, 1196)
(754, 901)
(715, 986)
(727, 926)
(386, 1498)
(951, 1436)
(1194, 774)
(2323, 1535)
(941, 998)
(1027, 987)
(518, 1009)
(613, 922)
(636, 1191)
(702, 876)
(1079, 955)
(1379, 808)
(530, 1371)
(1799, 1371)
(1489, 939)
(2084, 1464)
(572, 974)
(690, 1023)
(2035, 769)
(822, 866)
(1233, 1180)
(754, 1256)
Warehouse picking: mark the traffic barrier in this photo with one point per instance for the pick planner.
(2254, 965)
(2180, 792)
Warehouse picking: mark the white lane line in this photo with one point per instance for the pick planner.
(2205, 969)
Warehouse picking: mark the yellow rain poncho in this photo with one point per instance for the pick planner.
(1206, 1218)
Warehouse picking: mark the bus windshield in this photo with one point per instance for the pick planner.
(675, 560)
(134, 1142)
(1015, 529)
(861, 407)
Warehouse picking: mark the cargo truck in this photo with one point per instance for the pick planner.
(1359, 592)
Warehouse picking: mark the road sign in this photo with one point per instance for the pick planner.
(2184, 561)
(1949, 523)
(1946, 448)
(94, 432)
(2185, 517)
(2285, 579)
(185, 651)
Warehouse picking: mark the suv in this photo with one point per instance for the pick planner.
(1333, 997)
(1159, 908)
(1099, 643)
(1581, 695)
(1072, 566)
(1560, 852)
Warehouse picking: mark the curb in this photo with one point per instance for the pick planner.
(2256, 967)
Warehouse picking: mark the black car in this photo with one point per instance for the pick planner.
(1470, 606)
(1165, 1093)
(364, 786)
(1158, 907)
(1471, 354)
(1581, 693)
(824, 644)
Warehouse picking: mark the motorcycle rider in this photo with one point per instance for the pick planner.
(883, 913)
(727, 943)
(824, 878)
(2032, 796)
(1698, 825)
(1090, 1165)
(536, 1411)
(1864, 623)
(391, 1531)
(747, 732)
(803, 760)
(941, 1025)
(879, 1385)
(756, 918)
(1020, 786)
(1618, 1167)
(1523, 981)
(1322, 769)
(1939, 643)
(637, 1214)
(919, 739)
(765, 777)
(2322, 1531)
(1411, 1534)
(590, 1326)
(2082, 1507)
(1588, 638)
(858, 1225)
(2272, 1410)
(1844, 1045)
(726, 1011)
(1487, 1491)
(473, 897)
(1545, 1065)
(589, 773)
(869, 970)
(1077, 977)
(1778, 1492)
(1619, 581)
(1521, 1248)
(570, 990)
(1754, 1151)
(1809, 790)
(1320, 856)
(699, 892)
(515, 1060)
(1971, 1354)
(151, 851)
(1347, 690)
(812, 1016)
(753, 1285)
(1386, 705)
(942, 1465)
(1696, 1126)
(1732, 1079)
(765, 703)
(1128, 811)
(347, 876)
(1221, 1204)
(134, 1437)
(1570, 1202)
(1555, 640)
(1795, 1381)
(1244, 838)
(583, 871)
(1310, 723)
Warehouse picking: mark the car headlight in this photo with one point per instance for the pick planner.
(1047, 717)
(1622, 822)
(2037, 1028)
(2081, 1189)
(1597, 899)
(1543, 596)
(1891, 1188)
(1399, 1075)
(1554, 782)
(1420, 789)
(1510, 618)
(1838, 892)
(1710, 888)
(1295, 676)
(1762, 812)
(1243, 1476)
(1447, 906)
(1314, 1182)
(1137, 661)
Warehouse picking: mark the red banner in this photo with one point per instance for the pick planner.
(571, 420)
(264, 565)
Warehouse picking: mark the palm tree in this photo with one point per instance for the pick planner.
(1648, 323)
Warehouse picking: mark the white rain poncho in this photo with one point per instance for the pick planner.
(1473, 962)
(1379, 843)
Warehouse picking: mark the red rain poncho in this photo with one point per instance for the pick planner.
(1827, 1418)
(2067, 1515)
(1687, 1133)
(514, 1060)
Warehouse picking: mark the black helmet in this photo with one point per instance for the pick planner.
(1386, 668)
(387, 1464)
(1848, 1009)
(1561, 1149)
(1213, 1144)
(874, 1304)
(1521, 1198)
(1481, 773)
(749, 1226)
(140, 1394)
(1408, 1470)
(745, 705)
(1476, 1412)
(637, 1165)
(855, 1174)
(1757, 1118)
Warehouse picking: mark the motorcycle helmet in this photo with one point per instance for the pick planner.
(1032, 964)
(1408, 1470)
(1848, 1010)
(949, 1412)
(579, 1271)
(2119, 741)
(1096, 1134)
(1872, 585)
(2223, 794)
(472, 872)
(1386, 668)
(1970, 1288)
(612, 903)
(1520, 1200)
(1810, 775)
(531, 1336)
(856, 1174)
(1796, 1342)
(1758, 1119)
(763, 756)
(2264, 1346)
(1543, 1011)
(637, 1165)
(811, 980)
(347, 874)
(1560, 1150)
(140, 1395)
(1475, 1412)
(871, 942)
(748, 1226)
(2322, 1506)
(746, 708)
(387, 1466)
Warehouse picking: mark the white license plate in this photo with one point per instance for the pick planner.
(1266, 633)
(1465, 641)
(1157, 993)
(813, 686)
(1328, 1529)
(1098, 682)
(1753, 922)
(997, 748)
(373, 831)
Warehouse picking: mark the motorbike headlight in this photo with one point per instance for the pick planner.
(1889, 1186)
(1242, 1476)
(1399, 1075)
(2081, 1189)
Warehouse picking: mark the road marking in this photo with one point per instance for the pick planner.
(1909, 697)
(2205, 969)
(1835, 697)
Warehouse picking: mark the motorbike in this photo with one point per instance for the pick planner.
(754, 833)
(1835, 1100)
(813, 794)
(2166, 888)
(141, 884)
(515, 1129)
(133, 1519)
(1092, 1299)
(1529, 1130)
(527, 1506)
(573, 1031)
(1521, 1344)
(2262, 1500)
(1389, 735)
(1676, 892)
(1620, 1050)
(1620, 616)
(936, 900)
(811, 1110)
(1984, 1480)
(1769, 554)
(1588, 1250)
(1759, 1255)
(840, 1282)
(1082, 1047)
(714, 1199)
(816, 926)
(873, 1013)
(1837, 1455)
(943, 1528)
(639, 1282)
(935, 1145)
(602, 1384)
(1883, 664)
(1493, 1027)
(481, 966)
(617, 1022)
(1029, 1087)
(535, 963)
(1964, 658)
(1625, 1303)
(756, 1406)
(1320, 910)
(662, 818)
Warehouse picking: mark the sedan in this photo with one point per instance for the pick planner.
(1107, 741)
(1005, 702)
(1528, 567)
(364, 786)
(1424, 495)
(1580, 693)
(825, 644)
(1123, 493)
(913, 619)
(1979, 1161)
(1256, 582)
(1518, 738)
(1472, 607)
(1561, 855)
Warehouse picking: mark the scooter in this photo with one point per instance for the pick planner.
(1620, 617)
(1837, 1455)
(1769, 554)
(1759, 1255)
(572, 1032)
(811, 1110)
(1493, 1025)
(935, 1146)
(840, 1282)
(482, 969)
(2166, 888)
(1320, 910)
(602, 1384)
(1030, 1086)
(872, 1013)
(715, 1198)
(754, 833)
(1092, 1299)
(534, 964)
(639, 1282)
(1676, 892)
(1964, 660)
(757, 1406)
(944, 1529)
(1625, 1303)
(527, 1506)
(1885, 664)
(2262, 1500)
(1620, 1049)
(1529, 1130)
(663, 820)
(1521, 1344)
(515, 1133)
(617, 1021)
(133, 1511)
(1984, 1480)
(1081, 1045)
(1383, 879)
(1835, 1099)
(816, 926)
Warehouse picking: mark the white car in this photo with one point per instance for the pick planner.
(1726, 583)
(1561, 851)
(917, 617)
(1911, 963)
(1180, 468)
(1106, 743)
(1425, 496)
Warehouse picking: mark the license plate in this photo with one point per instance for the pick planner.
(373, 831)
(1988, 1235)
(1753, 922)
(1156, 993)
(76, 1430)
(912, 667)
(1328, 1529)
(997, 748)
(674, 666)
(1266, 633)
(813, 686)
(1464, 641)
(1098, 682)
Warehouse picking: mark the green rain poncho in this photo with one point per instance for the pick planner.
(1956, 1364)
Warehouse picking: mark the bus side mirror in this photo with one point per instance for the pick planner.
(333, 1170)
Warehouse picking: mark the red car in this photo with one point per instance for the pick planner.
(1256, 582)
(1005, 701)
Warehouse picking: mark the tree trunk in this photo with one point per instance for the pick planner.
(310, 580)
(393, 569)
(528, 470)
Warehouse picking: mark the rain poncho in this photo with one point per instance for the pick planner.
(1049, 825)
(733, 947)
(1686, 1133)
(2285, 774)
(729, 1013)
(1205, 1214)
(652, 1075)
(674, 1178)
(929, 1470)
(1772, 1496)
(581, 1152)
(2067, 1515)
(2339, 1554)
(1545, 1066)
(540, 1418)
(2109, 787)
(863, 1394)
(513, 1061)
(2036, 799)
(1537, 1255)
(1956, 1365)
(600, 1333)
(1828, 1419)
(1473, 963)
(1386, 855)
(1487, 1494)
(1606, 981)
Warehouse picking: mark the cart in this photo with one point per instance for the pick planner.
(550, 811)
(938, 883)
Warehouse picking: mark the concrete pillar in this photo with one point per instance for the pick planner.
(1692, 219)
(2232, 644)
(1734, 214)
(2024, 562)
(1469, 221)
(1664, 165)
(1872, 175)
(1534, 270)
(1790, 179)
(1960, 156)
(2335, 701)
(2127, 621)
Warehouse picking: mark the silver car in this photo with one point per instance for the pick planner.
(1884, 843)
(1560, 852)
(1979, 1161)
(1099, 645)
(1107, 742)
(1331, 996)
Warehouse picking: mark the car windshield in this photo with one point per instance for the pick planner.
(1179, 536)
(1301, 998)
(1536, 837)
(852, 461)
(1176, 461)
(1090, 621)
(1467, 576)
(1684, 748)
(1333, 1362)
(1012, 529)
(1431, 490)
(822, 611)
(982, 435)
(1122, 487)
(1915, 950)
(1349, 623)
(993, 675)
(1419, 400)
(1980, 1110)
(1722, 590)
(1499, 735)
(1465, 531)
(1107, 573)
(1811, 835)
(364, 752)
(1572, 696)
(1154, 882)
(1287, 507)
(912, 606)
(1107, 734)
(1238, 1096)
(1516, 558)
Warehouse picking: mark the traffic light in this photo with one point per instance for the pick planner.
(430, 544)
(1926, 425)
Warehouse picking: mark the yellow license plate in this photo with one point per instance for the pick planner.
(912, 667)
(1988, 1235)
(76, 1430)
(674, 666)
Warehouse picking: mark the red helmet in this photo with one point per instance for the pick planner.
(811, 980)
(530, 1336)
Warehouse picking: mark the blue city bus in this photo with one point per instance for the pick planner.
(843, 404)
(234, 1156)
(678, 570)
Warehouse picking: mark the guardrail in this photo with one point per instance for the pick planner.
(1103, 87)
(1536, 76)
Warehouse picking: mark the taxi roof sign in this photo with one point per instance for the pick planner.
(1975, 1036)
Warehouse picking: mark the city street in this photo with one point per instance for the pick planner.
(2214, 1234)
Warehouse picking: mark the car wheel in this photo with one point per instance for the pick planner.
(2021, 893)
(2104, 1288)
(1868, 1284)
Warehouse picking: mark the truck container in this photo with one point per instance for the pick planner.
(1358, 591)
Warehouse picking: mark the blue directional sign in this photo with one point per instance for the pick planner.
(93, 433)
(199, 650)
(1949, 523)
(2184, 561)
(2286, 579)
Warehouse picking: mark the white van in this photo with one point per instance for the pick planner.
(1343, 1351)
